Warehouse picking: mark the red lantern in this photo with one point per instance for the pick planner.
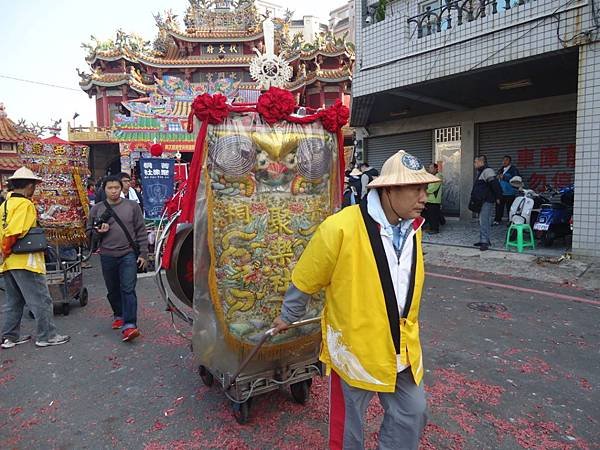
(156, 150)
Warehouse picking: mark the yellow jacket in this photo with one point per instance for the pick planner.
(358, 341)
(21, 216)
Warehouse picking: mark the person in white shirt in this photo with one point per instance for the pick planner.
(128, 191)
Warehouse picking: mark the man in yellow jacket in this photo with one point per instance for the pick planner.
(24, 273)
(369, 261)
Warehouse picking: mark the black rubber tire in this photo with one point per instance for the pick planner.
(83, 297)
(65, 309)
(548, 239)
(241, 412)
(301, 391)
(206, 376)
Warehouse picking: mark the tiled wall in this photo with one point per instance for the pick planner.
(389, 53)
(586, 237)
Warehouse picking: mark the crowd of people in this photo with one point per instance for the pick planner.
(131, 190)
(492, 193)
(383, 216)
(116, 229)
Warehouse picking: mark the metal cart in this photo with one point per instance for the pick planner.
(65, 281)
(241, 386)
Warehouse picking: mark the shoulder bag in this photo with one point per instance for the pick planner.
(34, 241)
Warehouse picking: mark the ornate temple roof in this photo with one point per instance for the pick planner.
(242, 60)
(344, 73)
(216, 36)
(9, 131)
(210, 21)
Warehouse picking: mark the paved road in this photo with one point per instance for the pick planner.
(520, 370)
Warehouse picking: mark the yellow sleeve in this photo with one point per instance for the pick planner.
(315, 267)
(23, 217)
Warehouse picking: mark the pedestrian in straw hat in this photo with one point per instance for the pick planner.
(369, 261)
(24, 273)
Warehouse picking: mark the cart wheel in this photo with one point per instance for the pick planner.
(65, 309)
(83, 297)
(207, 377)
(241, 412)
(301, 391)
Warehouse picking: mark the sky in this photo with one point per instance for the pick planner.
(40, 40)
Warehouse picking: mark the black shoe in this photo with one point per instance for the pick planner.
(483, 247)
(477, 244)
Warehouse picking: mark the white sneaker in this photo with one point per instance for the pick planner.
(10, 343)
(56, 340)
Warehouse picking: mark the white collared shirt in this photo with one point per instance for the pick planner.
(400, 267)
(132, 195)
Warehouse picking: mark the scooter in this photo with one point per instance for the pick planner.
(522, 208)
(555, 215)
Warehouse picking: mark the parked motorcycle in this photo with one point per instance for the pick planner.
(555, 214)
(522, 208)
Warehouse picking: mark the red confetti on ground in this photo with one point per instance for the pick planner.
(6, 379)
(536, 366)
(435, 437)
(585, 384)
(114, 362)
(451, 384)
(27, 424)
(504, 315)
(512, 351)
(533, 434)
(158, 426)
(14, 411)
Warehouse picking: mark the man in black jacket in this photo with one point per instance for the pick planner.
(486, 193)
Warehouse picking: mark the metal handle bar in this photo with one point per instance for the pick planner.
(268, 334)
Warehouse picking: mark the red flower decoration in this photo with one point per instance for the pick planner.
(335, 117)
(211, 108)
(275, 105)
(156, 150)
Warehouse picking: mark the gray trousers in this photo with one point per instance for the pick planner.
(403, 421)
(485, 222)
(23, 287)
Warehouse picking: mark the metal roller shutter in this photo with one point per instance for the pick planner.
(541, 147)
(418, 144)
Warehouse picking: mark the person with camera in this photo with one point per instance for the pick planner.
(23, 266)
(118, 224)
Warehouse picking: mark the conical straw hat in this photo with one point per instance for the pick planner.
(402, 169)
(24, 173)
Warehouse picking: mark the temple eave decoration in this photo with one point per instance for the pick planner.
(147, 86)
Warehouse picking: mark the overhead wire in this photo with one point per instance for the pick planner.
(40, 83)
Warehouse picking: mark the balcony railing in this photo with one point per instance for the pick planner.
(89, 134)
(431, 21)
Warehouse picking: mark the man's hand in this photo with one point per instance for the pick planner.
(103, 228)
(498, 201)
(141, 263)
(279, 325)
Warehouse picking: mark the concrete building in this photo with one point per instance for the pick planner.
(309, 26)
(448, 81)
(342, 21)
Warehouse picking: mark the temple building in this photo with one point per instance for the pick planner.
(143, 89)
(10, 136)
